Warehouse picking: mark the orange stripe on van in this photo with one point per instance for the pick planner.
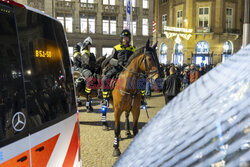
(41, 153)
(72, 150)
(22, 160)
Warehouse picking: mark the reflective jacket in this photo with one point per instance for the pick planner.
(86, 60)
(122, 53)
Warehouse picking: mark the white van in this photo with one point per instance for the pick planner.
(38, 116)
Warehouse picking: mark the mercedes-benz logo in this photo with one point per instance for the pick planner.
(18, 121)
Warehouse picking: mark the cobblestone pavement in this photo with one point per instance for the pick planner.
(97, 144)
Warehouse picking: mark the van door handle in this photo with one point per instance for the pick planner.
(40, 149)
(22, 159)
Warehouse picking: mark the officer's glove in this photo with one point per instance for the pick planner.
(113, 62)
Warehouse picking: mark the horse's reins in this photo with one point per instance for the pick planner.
(146, 75)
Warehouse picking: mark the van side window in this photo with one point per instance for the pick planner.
(12, 101)
(46, 64)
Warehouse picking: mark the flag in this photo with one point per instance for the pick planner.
(129, 12)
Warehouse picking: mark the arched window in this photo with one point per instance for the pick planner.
(228, 48)
(178, 48)
(178, 57)
(163, 53)
(202, 47)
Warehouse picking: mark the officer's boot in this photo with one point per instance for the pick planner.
(88, 102)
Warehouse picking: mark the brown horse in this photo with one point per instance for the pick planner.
(142, 65)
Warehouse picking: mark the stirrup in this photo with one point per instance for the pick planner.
(105, 102)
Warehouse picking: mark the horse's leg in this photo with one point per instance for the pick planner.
(136, 114)
(89, 104)
(117, 151)
(127, 124)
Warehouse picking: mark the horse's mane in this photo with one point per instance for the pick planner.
(135, 54)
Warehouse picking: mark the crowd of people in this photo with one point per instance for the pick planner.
(179, 77)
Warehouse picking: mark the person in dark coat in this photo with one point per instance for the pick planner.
(171, 86)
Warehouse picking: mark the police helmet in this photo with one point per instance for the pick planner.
(86, 42)
(125, 33)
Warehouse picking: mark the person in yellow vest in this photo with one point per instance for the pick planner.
(86, 62)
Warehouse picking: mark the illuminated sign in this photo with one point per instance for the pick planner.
(175, 29)
(43, 53)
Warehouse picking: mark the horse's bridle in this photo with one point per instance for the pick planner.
(147, 73)
(144, 59)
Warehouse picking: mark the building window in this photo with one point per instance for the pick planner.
(106, 51)
(145, 4)
(203, 17)
(84, 24)
(113, 25)
(91, 24)
(109, 25)
(228, 51)
(70, 51)
(60, 19)
(108, 2)
(229, 18)
(178, 56)
(133, 3)
(202, 47)
(93, 50)
(163, 54)
(67, 22)
(87, 24)
(228, 47)
(145, 27)
(179, 19)
(87, 1)
(164, 22)
(125, 26)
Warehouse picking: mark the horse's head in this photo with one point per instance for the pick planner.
(149, 63)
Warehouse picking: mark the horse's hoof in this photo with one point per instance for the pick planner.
(128, 134)
(106, 128)
(89, 110)
(116, 152)
(80, 104)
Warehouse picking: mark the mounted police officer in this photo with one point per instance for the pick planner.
(86, 64)
(119, 58)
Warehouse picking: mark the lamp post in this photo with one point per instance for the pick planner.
(246, 25)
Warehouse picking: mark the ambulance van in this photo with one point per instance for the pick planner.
(38, 116)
